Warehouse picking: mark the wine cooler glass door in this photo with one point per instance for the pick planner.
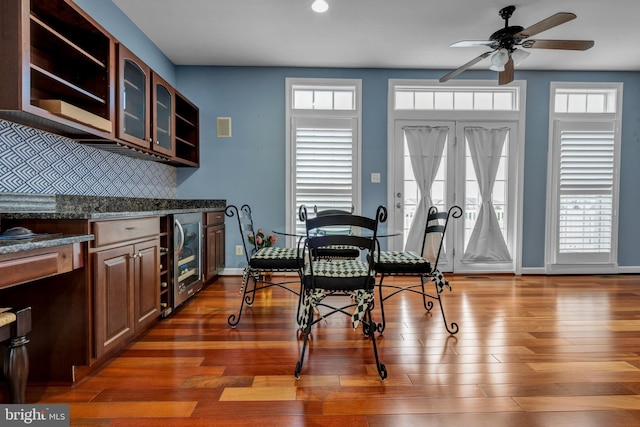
(187, 258)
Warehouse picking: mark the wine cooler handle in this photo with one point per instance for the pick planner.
(181, 235)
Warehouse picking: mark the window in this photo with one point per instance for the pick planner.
(584, 155)
(323, 145)
(463, 98)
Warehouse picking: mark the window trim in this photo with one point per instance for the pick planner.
(589, 264)
(291, 114)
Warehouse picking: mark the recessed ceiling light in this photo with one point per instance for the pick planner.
(320, 6)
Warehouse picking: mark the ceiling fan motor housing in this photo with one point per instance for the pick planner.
(504, 37)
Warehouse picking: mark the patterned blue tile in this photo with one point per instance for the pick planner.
(32, 161)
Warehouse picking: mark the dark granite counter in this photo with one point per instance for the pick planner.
(16, 206)
(9, 246)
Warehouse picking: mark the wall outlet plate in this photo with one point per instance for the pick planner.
(238, 249)
(375, 177)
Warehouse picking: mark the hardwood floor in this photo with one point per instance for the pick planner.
(531, 351)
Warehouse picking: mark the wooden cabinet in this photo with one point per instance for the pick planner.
(163, 119)
(214, 244)
(126, 280)
(187, 125)
(134, 99)
(57, 69)
(63, 73)
(153, 115)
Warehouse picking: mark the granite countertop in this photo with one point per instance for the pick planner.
(9, 246)
(16, 206)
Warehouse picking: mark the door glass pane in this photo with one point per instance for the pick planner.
(163, 119)
(134, 100)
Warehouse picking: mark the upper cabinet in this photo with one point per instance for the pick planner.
(63, 73)
(134, 99)
(57, 68)
(163, 117)
(187, 129)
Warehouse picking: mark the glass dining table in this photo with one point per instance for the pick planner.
(300, 231)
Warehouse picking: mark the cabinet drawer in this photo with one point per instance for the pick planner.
(215, 218)
(109, 232)
(35, 264)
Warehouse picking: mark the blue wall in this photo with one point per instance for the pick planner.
(249, 167)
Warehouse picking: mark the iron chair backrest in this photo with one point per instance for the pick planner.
(331, 211)
(366, 240)
(433, 240)
(245, 226)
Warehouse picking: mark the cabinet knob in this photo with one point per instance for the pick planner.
(133, 256)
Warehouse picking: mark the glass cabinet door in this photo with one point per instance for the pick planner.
(163, 118)
(134, 115)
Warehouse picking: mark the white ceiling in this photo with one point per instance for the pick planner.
(379, 33)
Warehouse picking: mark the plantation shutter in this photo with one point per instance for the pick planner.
(586, 190)
(324, 162)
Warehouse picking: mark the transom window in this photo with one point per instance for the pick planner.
(585, 100)
(455, 98)
(326, 98)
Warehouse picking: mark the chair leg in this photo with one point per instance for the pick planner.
(308, 314)
(427, 303)
(453, 329)
(247, 296)
(382, 369)
(380, 326)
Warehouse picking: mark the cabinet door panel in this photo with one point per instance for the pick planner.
(163, 117)
(215, 251)
(134, 99)
(147, 288)
(113, 297)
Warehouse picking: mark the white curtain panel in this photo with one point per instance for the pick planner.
(486, 243)
(426, 145)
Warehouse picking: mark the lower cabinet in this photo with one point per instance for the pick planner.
(126, 286)
(214, 244)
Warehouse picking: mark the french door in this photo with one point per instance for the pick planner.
(474, 165)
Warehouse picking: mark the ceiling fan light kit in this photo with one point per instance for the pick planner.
(319, 6)
(499, 58)
(505, 43)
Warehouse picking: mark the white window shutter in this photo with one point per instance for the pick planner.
(586, 190)
(324, 157)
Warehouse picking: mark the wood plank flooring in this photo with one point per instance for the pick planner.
(531, 351)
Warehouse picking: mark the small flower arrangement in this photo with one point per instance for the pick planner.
(260, 240)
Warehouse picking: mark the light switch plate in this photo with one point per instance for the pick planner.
(375, 177)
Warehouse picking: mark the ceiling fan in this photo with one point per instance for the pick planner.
(505, 42)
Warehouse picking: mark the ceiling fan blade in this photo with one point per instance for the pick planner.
(506, 76)
(558, 44)
(473, 43)
(464, 67)
(545, 24)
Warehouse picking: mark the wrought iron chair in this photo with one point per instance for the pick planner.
(407, 263)
(270, 259)
(340, 286)
(334, 251)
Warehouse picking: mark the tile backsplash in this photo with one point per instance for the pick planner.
(32, 161)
